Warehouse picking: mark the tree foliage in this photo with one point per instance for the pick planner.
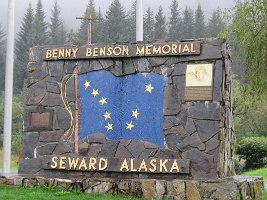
(188, 24)
(216, 24)
(175, 22)
(199, 24)
(160, 25)
(149, 23)
(248, 32)
(23, 44)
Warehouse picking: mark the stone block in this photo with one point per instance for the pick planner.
(36, 93)
(52, 85)
(95, 65)
(218, 81)
(109, 149)
(116, 70)
(62, 148)
(128, 66)
(94, 149)
(97, 138)
(51, 100)
(84, 66)
(106, 63)
(207, 129)
(62, 117)
(30, 166)
(37, 71)
(192, 190)
(56, 69)
(160, 187)
(178, 189)
(51, 136)
(136, 148)
(172, 101)
(142, 65)
(45, 149)
(179, 69)
(205, 110)
(148, 188)
(30, 142)
(191, 141)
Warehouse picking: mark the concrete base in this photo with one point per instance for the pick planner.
(233, 188)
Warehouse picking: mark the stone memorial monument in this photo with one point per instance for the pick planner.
(147, 119)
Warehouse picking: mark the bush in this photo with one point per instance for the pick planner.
(253, 150)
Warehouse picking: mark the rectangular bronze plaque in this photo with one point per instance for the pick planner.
(40, 121)
(156, 165)
(122, 50)
(199, 82)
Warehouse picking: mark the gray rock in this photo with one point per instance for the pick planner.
(69, 66)
(52, 85)
(106, 63)
(218, 80)
(128, 66)
(142, 65)
(94, 149)
(169, 122)
(109, 149)
(63, 118)
(30, 142)
(37, 71)
(56, 69)
(46, 149)
(51, 136)
(190, 126)
(116, 70)
(207, 129)
(63, 148)
(213, 143)
(84, 67)
(205, 110)
(30, 166)
(97, 138)
(51, 100)
(179, 69)
(136, 148)
(36, 93)
(191, 141)
(95, 65)
(172, 101)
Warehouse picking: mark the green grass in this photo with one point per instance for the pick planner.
(257, 172)
(20, 193)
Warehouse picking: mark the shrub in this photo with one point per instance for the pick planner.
(253, 150)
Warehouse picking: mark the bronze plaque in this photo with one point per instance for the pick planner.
(199, 82)
(41, 121)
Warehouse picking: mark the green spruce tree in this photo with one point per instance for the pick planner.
(160, 25)
(149, 24)
(57, 32)
(199, 26)
(99, 28)
(215, 24)
(115, 22)
(23, 44)
(83, 31)
(188, 24)
(175, 22)
(131, 24)
(2, 58)
(40, 32)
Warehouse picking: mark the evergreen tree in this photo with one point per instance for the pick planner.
(23, 44)
(131, 24)
(149, 25)
(115, 22)
(188, 24)
(160, 25)
(57, 33)
(72, 37)
(99, 28)
(215, 24)
(2, 58)
(200, 27)
(83, 31)
(40, 33)
(175, 22)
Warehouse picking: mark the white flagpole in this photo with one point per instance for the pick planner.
(8, 89)
(139, 20)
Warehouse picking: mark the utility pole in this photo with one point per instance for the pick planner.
(89, 28)
(139, 20)
(8, 89)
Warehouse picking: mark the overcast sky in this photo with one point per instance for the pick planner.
(70, 9)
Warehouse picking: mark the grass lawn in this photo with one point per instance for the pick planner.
(20, 193)
(257, 172)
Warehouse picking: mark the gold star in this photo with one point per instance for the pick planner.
(87, 84)
(109, 127)
(149, 88)
(95, 93)
(135, 114)
(107, 115)
(130, 126)
(103, 101)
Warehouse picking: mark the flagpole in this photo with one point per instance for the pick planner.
(8, 89)
(139, 20)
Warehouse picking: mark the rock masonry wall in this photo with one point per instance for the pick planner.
(201, 131)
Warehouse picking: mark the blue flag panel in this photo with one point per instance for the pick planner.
(129, 107)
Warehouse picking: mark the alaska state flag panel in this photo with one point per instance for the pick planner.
(128, 107)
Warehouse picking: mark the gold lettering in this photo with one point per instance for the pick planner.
(143, 166)
(174, 48)
(109, 51)
(124, 165)
(88, 52)
(192, 48)
(180, 48)
(115, 52)
(140, 51)
(186, 49)
(95, 52)
(103, 164)
(54, 161)
(62, 163)
(132, 166)
(73, 162)
(92, 164)
(162, 164)
(55, 53)
(174, 166)
(75, 52)
(153, 164)
(102, 51)
(83, 165)
(68, 53)
(125, 50)
(48, 53)
(61, 53)
(149, 49)
(157, 50)
(166, 49)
